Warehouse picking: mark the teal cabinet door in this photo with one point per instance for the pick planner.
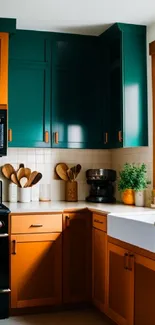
(127, 82)
(77, 115)
(29, 92)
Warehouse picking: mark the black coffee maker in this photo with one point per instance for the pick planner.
(102, 185)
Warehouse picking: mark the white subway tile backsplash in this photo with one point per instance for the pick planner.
(45, 160)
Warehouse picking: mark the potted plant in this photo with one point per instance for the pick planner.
(140, 184)
(126, 183)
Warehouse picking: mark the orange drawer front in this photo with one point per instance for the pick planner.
(36, 223)
(100, 222)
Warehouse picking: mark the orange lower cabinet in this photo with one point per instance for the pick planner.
(120, 285)
(36, 270)
(144, 313)
(99, 245)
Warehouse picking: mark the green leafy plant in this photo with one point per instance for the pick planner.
(141, 179)
(132, 177)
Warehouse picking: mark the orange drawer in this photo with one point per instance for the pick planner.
(100, 222)
(36, 223)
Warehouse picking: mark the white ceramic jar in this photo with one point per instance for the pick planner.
(139, 198)
(13, 193)
(25, 194)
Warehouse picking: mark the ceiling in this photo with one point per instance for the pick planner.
(89, 17)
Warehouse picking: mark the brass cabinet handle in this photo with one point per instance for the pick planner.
(130, 262)
(126, 261)
(46, 137)
(15, 247)
(67, 221)
(98, 221)
(105, 137)
(38, 225)
(56, 137)
(120, 136)
(10, 135)
(5, 290)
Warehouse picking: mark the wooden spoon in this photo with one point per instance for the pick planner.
(7, 170)
(23, 181)
(14, 179)
(27, 172)
(20, 173)
(31, 178)
(36, 179)
(61, 170)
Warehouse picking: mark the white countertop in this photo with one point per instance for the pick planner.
(60, 206)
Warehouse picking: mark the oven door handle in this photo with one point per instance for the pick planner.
(5, 290)
(4, 235)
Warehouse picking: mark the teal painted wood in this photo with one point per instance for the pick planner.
(135, 120)
(8, 25)
(76, 94)
(29, 94)
(128, 84)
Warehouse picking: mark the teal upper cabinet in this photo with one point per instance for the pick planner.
(77, 110)
(127, 79)
(29, 90)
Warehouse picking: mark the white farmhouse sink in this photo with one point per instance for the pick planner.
(134, 228)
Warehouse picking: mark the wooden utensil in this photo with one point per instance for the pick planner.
(61, 170)
(70, 175)
(75, 170)
(14, 179)
(27, 172)
(20, 166)
(31, 178)
(23, 181)
(20, 173)
(7, 170)
(36, 179)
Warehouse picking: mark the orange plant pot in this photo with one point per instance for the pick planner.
(128, 197)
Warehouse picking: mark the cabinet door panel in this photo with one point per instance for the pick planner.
(76, 94)
(35, 270)
(77, 257)
(144, 291)
(4, 46)
(99, 268)
(27, 105)
(120, 289)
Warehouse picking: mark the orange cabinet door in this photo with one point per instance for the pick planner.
(120, 285)
(99, 250)
(4, 45)
(144, 291)
(77, 257)
(36, 270)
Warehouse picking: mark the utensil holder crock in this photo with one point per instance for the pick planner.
(25, 194)
(71, 191)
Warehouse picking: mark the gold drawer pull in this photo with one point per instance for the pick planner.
(98, 221)
(10, 135)
(106, 138)
(46, 137)
(56, 137)
(36, 226)
(120, 136)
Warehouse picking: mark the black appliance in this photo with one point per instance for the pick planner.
(102, 185)
(3, 132)
(4, 259)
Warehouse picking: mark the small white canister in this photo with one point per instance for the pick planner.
(25, 194)
(13, 193)
(35, 193)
